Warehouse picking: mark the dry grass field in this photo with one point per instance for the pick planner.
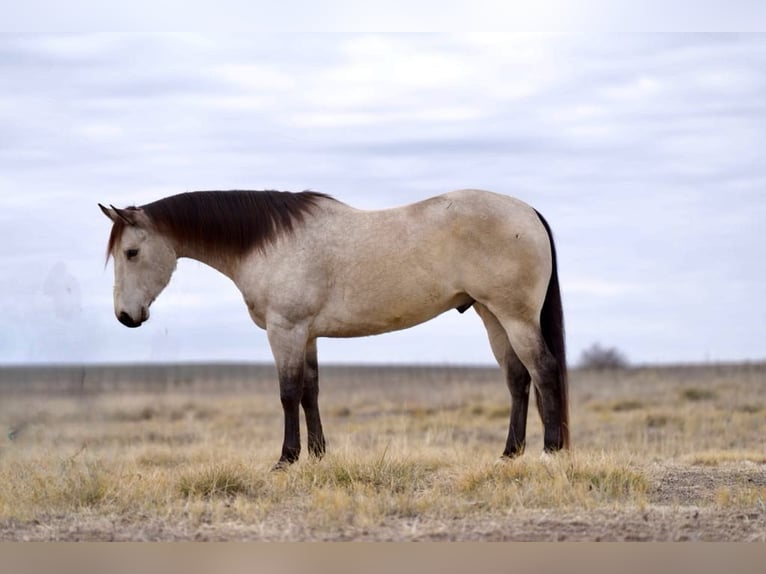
(659, 454)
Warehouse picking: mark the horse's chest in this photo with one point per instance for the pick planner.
(257, 313)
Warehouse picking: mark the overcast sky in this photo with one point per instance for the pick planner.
(644, 152)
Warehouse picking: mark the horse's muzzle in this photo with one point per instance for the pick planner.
(128, 321)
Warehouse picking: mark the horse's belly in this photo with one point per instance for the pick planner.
(369, 318)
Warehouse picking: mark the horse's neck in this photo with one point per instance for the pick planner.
(226, 264)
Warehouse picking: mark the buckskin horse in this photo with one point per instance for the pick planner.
(310, 266)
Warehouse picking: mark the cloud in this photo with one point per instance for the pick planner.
(642, 151)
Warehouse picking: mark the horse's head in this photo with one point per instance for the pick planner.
(144, 260)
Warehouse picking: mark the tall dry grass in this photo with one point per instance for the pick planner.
(401, 458)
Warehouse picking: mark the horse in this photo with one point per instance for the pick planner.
(309, 266)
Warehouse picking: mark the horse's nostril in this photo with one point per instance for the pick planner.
(127, 320)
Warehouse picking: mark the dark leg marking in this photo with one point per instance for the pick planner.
(290, 393)
(549, 402)
(518, 381)
(310, 402)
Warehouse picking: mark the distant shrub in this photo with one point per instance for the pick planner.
(693, 394)
(600, 358)
(627, 405)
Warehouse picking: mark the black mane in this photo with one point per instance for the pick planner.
(232, 222)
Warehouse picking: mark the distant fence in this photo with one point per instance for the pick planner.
(73, 379)
(232, 377)
(135, 377)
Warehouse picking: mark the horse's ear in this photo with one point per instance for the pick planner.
(108, 212)
(129, 216)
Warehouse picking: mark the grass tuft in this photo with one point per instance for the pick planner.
(218, 480)
(750, 497)
(32, 486)
(561, 482)
(382, 473)
(83, 486)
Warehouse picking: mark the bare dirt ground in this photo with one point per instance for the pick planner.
(673, 454)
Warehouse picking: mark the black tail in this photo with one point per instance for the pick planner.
(552, 325)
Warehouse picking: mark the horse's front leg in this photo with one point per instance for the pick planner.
(288, 344)
(310, 401)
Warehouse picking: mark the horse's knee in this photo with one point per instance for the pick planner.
(547, 372)
(291, 387)
(310, 398)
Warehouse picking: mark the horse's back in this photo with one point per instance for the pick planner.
(499, 229)
(479, 200)
(482, 214)
(398, 267)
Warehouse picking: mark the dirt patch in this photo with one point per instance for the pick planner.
(655, 523)
(701, 486)
(652, 524)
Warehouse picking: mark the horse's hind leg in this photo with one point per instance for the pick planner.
(310, 402)
(529, 345)
(517, 378)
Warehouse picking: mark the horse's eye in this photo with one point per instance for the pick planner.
(131, 253)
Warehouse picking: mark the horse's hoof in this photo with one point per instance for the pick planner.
(317, 454)
(281, 466)
(510, 455)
